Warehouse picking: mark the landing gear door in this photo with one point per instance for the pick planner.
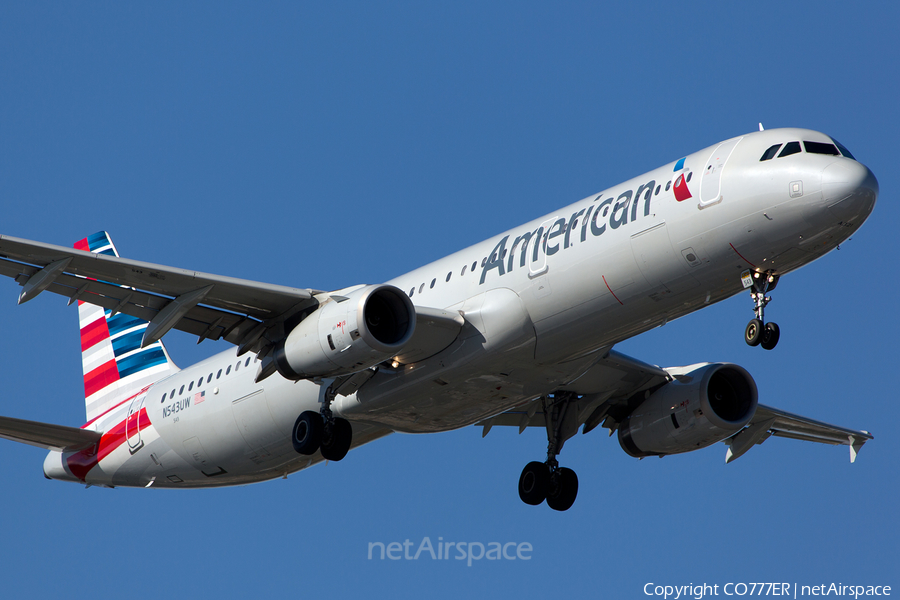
(711, 182)
(136, 417)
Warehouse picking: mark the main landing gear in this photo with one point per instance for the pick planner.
(322, 431)
(547, 480)
(758, 332)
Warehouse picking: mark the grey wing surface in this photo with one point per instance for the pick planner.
(608, 390)
(208, 306)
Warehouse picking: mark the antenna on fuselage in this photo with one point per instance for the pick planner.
(761, 128)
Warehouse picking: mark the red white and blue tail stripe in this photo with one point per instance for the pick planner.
(115, 366)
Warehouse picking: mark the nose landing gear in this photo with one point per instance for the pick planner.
(547, 480)
(758, 332)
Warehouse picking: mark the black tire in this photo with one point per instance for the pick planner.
(562, 497)
(753, 332)
(307, 433)
(336, 446)
(770, 336)
(533, 483)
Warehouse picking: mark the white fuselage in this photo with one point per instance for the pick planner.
(540, 302)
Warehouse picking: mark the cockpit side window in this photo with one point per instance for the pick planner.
(790, 148)
(843, 150)
(770, 153)
(821, 148)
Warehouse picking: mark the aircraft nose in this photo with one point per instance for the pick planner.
(850, 189)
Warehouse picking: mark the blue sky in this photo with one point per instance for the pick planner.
(325, 147)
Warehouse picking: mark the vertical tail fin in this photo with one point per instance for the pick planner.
(115, 366)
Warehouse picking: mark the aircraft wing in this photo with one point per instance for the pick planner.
(209, 306)
(606, 391)
(47, 435)
(614, 386)
(771, 421)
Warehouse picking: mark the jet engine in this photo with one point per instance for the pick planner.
(703, 405)
(347, 334)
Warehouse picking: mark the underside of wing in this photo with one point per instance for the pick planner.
(254, 316)
(770, 421)
(603, 393)
(208, 306)
(610, 391)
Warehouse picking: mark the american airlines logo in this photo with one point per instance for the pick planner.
(599, 217)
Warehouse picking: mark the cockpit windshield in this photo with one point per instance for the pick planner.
(843, 150)
(791, 148)
(821, 148)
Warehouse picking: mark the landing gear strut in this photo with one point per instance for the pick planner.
(548, 481)
(322, 431)
(758, 332)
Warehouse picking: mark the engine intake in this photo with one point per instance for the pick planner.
(348, 334)
(705, 404)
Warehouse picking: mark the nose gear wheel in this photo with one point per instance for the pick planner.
(758, 332)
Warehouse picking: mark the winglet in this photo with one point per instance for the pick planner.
(855, 447)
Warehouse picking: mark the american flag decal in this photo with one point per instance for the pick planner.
(199, 397)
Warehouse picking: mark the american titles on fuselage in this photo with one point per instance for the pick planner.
(597, 218)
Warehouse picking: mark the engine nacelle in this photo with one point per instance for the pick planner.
(705, 404)
(347, 335)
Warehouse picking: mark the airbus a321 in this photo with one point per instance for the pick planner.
(517, 331)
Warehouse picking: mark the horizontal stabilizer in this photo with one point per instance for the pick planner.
(47, 435)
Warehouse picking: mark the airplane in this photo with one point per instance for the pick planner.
(518, 330)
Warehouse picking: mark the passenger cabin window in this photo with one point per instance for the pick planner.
(219, 374)
(247, 362)
(433, 281)
(790, 148)
(843, 150)
(821, 148)
(770, 153)
(448, 276)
